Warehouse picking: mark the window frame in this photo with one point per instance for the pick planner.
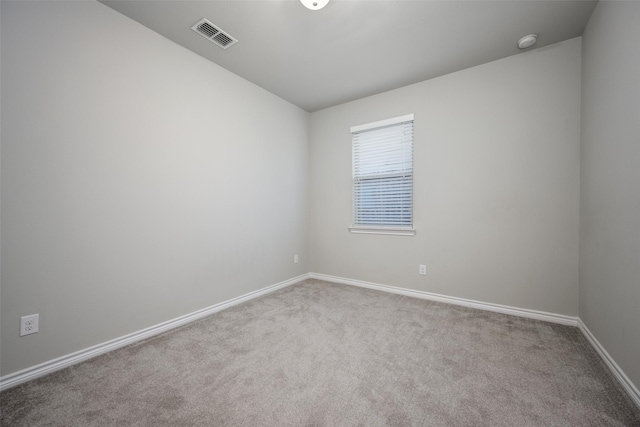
(387, 229)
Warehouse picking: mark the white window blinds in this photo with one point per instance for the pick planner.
(383, 174)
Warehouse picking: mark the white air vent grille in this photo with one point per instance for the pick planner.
(214, 34)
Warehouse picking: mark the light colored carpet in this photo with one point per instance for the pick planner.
(321, 354)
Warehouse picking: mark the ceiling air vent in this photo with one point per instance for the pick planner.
(214, 34)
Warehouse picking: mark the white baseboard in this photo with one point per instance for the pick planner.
(622, 378)
(45, 368)
(521, 312)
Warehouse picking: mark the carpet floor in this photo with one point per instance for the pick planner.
(322, 354)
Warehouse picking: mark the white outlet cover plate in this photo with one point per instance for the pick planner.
(29, 324)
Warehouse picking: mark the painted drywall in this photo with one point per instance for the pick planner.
(610, 175)
(140, 182)
(496, 184)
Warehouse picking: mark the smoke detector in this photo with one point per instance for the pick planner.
(527, 41)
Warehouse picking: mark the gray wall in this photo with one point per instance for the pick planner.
(610, 182)
(496, 184)
(138, 180)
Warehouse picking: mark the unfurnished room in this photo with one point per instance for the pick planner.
(320, 213)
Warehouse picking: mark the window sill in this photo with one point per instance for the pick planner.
(384, 230)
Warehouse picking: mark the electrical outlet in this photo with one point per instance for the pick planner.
(295, 259)
(29, 324)
(423, 269)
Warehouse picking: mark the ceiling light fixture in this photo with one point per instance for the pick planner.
(314, 4)
(527, 41)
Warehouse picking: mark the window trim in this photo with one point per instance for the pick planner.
(381, 229)
(383, 123)
(392, 231)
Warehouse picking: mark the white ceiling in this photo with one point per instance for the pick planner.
(355, 48)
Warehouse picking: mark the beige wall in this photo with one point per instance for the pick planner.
(138, 180)
(610, 179)
(496, 184)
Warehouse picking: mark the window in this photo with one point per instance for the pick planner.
(383, 177)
